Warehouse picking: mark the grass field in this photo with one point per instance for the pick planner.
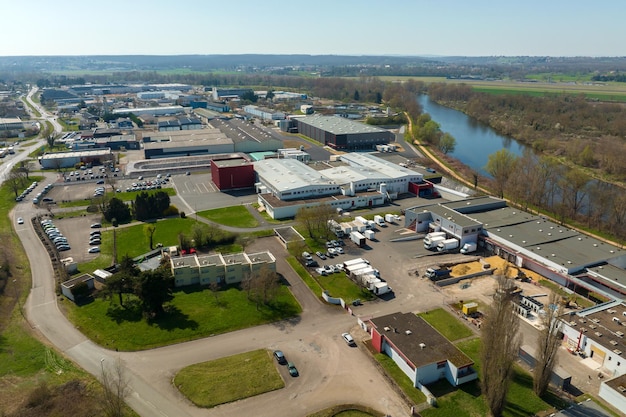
(339, 285)
(229, 379)
(132, 240)
(193, 313)
(235, 216)
(446, 324)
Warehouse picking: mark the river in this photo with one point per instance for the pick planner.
(474, 140)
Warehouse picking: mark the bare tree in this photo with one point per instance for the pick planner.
(500, 343)
(149, 230)
(547, 346)
(116, 388)
(315, 219)
(15, 180)
(261, 286)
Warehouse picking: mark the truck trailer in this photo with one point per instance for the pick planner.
(381, 288)
(448, 245)
(390, 218)
(431, 242)
(358, 239)
(469, 247)
(379, 220)
(436, 274)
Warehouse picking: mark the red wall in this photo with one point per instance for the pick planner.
(227, 178)
(377, 340)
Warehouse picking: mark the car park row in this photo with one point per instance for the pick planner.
(55, 235)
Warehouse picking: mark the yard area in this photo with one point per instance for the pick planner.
(229, 379)
(193, 313)
(446, 324)
(235, 216)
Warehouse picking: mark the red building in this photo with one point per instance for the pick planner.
(232, 173)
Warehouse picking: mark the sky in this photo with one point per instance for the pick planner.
(317, 27)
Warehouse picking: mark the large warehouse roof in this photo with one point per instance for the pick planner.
(368, 161)
(339, 125)
(79, 154)
(286, 174)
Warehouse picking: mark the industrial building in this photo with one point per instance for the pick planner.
(152, 111)
(71, 159)
(217, 268)
(186, 143)
(219, 94)
(286, 185)
(180, 123)
(247, 137)
(264, 113)
(566, 256)
(232, 172)
(420, 351)
(341, 133)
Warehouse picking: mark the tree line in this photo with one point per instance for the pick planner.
(146, 206)
(588, 134)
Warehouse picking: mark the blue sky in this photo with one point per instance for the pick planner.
(350, 27)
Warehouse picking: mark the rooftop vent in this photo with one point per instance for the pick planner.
(386, 328)
(598, 334)
(621, 389)
(617, 351)
(613, 342)
(422, 345)
(619, 334)
(407, 332)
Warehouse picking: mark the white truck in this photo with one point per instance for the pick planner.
(448, 245)
(357, 238)
(370, 234)
(469, 247)
(379, 220)
(364, 221)
(355, 261)
(432, 239)
(390, 218)
(381, 288)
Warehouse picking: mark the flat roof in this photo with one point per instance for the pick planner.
(276, 202)
(214, 259)
(289, 174)
(600, 326)
(618, 384)
(240, 131)
(608, 275)
(234, 162)
(339, 125)
(185, 260)
(77, 154)
(369, 161)
(454, 216)
(407, 332)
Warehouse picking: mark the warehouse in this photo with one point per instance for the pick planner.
(246, 136)
(264, 113)
(231, 173)
(186, 143)
(71, 159)
(285, 185)
(152, 111)
(341, 133)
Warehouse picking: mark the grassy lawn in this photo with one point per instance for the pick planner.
(467, 400)
(229, 379)
(401, 379)
(313, 285)
(339, 285)
(446, 324)
(578, 299)
(235, 216)
(193, 313)
(124, 196)
(132, 240)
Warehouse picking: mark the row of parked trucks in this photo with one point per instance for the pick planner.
(360, 271)
(440, 242)
(361, 229)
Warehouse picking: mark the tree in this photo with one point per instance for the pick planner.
(116, 209)
(149, 230)
(123, 281)
(261, 286)
(547, 346)
(50, 141)
(154, 289)
(500, 165)
(356, 95)
(270, 95)
(447, 143)
(500, 344)
(15, 180)
(315, 219)
(115, 385)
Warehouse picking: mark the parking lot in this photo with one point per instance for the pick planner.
(77, 231)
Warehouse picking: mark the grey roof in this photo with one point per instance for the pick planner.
(603, 326)
(339, 125)
(240, 131)
(407, 331)
(454, 216)
(78, 154)
(371, 162)
(288, 174)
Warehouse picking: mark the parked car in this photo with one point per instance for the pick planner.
(321, 255)
(96, 225)
(321, 271)
(94, 249)
(307, 256)
(348, 338)
(312, 263)
(20, 220)
(280, 357)
(293, 371)
(339, 250)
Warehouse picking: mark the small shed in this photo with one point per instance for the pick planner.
(67, 286)
(470, 308)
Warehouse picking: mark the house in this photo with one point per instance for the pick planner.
(614, 392)
(420, 351)
(67, 286)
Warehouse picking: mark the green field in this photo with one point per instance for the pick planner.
(192, 314)
(235, 216)
(401, 379)
(446, 324)
(229, 379)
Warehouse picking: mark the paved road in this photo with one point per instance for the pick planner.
(331, 372)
